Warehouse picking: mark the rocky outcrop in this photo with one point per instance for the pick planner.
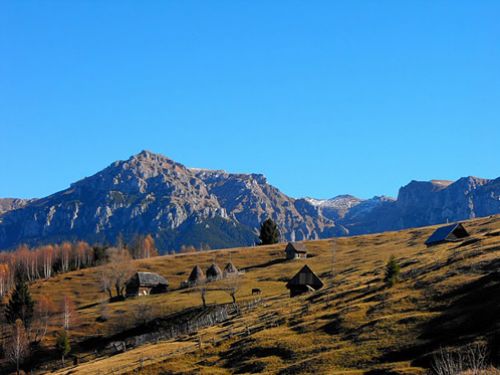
(335, 208)
(9, 204)
(249, 200)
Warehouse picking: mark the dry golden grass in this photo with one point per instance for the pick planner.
(352, 325)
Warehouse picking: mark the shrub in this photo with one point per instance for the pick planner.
(392, 271)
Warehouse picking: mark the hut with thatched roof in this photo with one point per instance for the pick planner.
(145, 283)
(214, 272)
(304, 281)
(230, 270)
(196, 276)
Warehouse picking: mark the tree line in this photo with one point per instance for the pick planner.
(42, 262)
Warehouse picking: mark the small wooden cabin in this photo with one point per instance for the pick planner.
(145, 283)
(214, 273)
(448, 233)
(295, 250)
(304, 281)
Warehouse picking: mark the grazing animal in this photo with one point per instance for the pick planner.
(256, 291)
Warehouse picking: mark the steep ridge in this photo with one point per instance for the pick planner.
(423, 203)
(150, 193)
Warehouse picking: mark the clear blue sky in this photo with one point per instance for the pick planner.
(324, 98)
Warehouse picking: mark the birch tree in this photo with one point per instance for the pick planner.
(17, 347)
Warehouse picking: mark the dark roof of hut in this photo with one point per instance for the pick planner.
(447, 233)
(196, 274)
(298, 247)
(150, 279)
(214, 272)
(305, 277)
(230, 268)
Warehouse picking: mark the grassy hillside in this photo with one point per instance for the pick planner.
(449, 295)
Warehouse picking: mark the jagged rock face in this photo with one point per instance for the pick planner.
(249, 199)
(486, 199)
(335, 208)
(425, 203)
(149, 193)
(9, 204)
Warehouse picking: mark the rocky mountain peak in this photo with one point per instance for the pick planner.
(150, 193)
(468, 183)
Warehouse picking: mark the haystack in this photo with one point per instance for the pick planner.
(214, 273)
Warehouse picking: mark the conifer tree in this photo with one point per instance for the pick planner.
(62, 344)
(392, 270)
(21, 305)
(269, 232)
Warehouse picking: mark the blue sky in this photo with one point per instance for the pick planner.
(322, 97)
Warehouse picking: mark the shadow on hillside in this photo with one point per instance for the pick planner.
(473, 311)
(266, 264)
(241, 355)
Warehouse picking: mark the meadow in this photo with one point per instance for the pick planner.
(447, 296)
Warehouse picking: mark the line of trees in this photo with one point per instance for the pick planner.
(44, 261)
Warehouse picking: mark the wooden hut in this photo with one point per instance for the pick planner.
(448, 233)
(196, 276)
(304, 281)
(295, 250)
(230, 270)
(145, 283)
(214, 273)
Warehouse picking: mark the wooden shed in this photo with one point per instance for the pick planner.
(448, 233)
(145, 283)
(304, 281)
(295, 250)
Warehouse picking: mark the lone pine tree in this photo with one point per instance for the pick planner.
(269, 232)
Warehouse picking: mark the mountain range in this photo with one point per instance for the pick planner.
(150, 193)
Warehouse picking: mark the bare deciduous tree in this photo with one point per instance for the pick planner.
(143, 247)
(4, 279)
(44, 310)
(68, 312)
(201, 289)
(116, 274)
(65, 251)
(232, 284)
(143, 311)
(17, 348)
(471, 360)
(47, 260)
